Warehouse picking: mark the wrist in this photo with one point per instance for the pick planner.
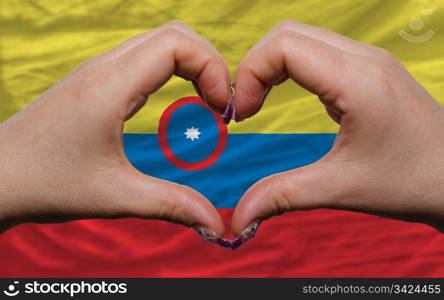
(8, 215)
(9, 189)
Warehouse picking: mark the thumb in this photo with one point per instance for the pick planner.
(313, 186)
(138, 195)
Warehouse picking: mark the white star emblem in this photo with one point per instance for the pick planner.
(192, 133)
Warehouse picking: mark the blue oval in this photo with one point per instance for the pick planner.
(185, 118)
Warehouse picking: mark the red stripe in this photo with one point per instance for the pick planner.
(320, 243)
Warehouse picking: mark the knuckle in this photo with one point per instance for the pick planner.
(172, 209)
(286, 39)
(88, 81)
(281, 203)
(142, 36)
(170, 36)
(385, 55)
(177, 24)
(86, 64)
(380, 72)
(168, 211)
(379, 77)
(171, 32)
(286, 24)
(95, 76)
(281, 192)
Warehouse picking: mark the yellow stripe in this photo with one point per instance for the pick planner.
(41, 41)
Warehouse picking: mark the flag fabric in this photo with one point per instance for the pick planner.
(176, 137)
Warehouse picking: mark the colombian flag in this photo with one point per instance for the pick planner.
(176, 137)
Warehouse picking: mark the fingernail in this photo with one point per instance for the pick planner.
(228, 114)
(250, 231)
(210, 236)
(206, 234)
(267, 91)
(238, 118)
(224, 243)
(236, 243)
(247, 234)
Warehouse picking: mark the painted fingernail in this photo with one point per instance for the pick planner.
(238, 118)
(210, 236)
(228, 114)
(250, 231)
(236, 243)
(267, 91)
(223, 242)
(206, 234)
(247, 234)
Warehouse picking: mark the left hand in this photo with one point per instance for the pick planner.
(388, 157)
(62, 157)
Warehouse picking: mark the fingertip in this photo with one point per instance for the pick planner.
(309, 187)
(214, 84)
(200, 211)
(250, 94)
(148, 197)
(252, 206)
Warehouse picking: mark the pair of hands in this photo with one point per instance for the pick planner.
(62, 157)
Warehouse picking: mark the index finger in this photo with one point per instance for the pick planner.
(148, 65)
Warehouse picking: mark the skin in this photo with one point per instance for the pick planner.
(62, 157)
(387, 158)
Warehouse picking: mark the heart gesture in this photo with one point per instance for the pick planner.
(387, 158)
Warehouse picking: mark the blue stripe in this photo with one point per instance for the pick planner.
(246, 159)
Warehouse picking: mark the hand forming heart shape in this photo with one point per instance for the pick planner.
(387, 158)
